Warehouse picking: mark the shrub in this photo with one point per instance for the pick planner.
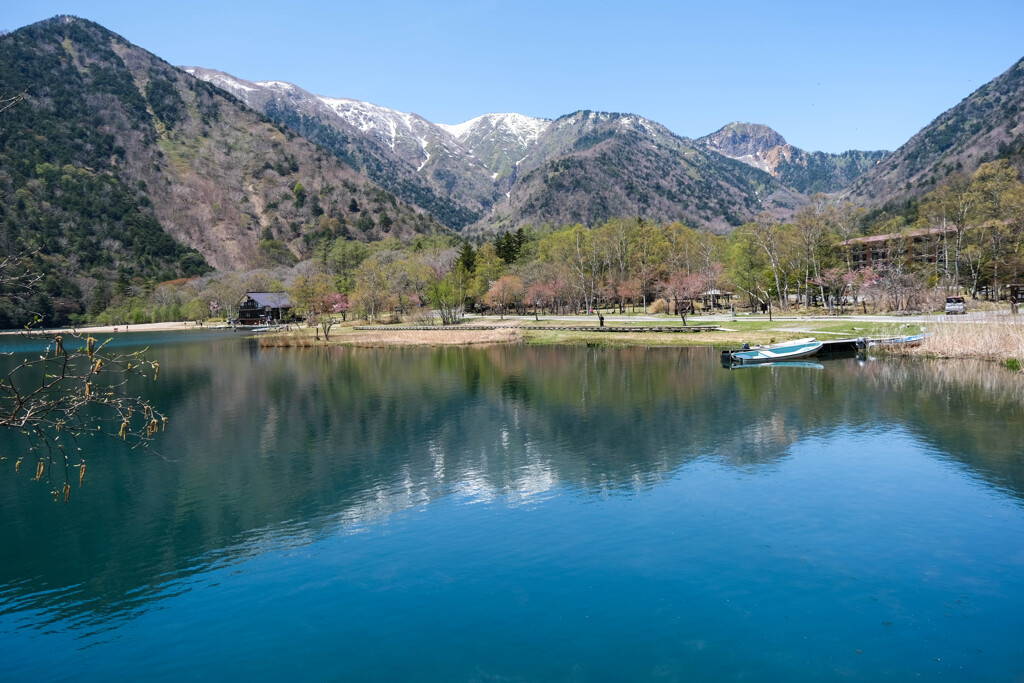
(659, 306)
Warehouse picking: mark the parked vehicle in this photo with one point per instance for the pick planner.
(955, 305)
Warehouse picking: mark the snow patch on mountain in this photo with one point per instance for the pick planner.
(277, 85)
(426, 153)
(221, 80)
(408, 135)
(525, 129)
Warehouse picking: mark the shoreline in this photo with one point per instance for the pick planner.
(113, 329)
(991, 338)
(994, 338)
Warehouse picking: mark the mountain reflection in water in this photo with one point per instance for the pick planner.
(276, 448)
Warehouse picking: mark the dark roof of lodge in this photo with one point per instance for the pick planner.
(897, 235)
(272, 299)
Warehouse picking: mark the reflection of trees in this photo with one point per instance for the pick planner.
(302, 440)
(973, 411)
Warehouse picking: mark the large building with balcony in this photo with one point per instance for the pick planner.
(913, 247)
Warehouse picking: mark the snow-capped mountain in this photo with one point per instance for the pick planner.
(589, 166)
(502, 170)
(410, 136)
(494, 141)
(500, 141)
(418, 160)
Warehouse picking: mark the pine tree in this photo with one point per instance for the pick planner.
(467, 257)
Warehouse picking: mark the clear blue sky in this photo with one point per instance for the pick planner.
(827, 76)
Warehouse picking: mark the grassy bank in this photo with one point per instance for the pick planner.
(732, 333)
(997, 338)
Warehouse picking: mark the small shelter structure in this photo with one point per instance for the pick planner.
(260, 308)
(715, 298)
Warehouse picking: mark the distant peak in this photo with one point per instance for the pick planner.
(747, 138)
(752, 143)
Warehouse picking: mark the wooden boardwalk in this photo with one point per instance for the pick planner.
(571, 328)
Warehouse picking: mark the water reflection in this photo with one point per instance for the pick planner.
(280, 447)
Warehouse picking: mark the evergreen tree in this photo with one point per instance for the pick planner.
(467, 257)
(365, 222)
(101, 297)
(508, 246)
(123, 288)
(299, 191)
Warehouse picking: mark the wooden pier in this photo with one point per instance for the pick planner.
(560, 328)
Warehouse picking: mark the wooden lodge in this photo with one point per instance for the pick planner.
(914, 247)
(261, 308)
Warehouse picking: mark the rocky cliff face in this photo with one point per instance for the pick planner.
(752, 143)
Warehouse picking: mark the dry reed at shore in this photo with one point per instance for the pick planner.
(994, 338)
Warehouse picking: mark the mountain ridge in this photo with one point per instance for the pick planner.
(986, 125)
(485, 157)
(179, 146)
(414, 158)
(590, 161)
(807, 172)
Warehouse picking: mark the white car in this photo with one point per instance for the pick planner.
(955, 305)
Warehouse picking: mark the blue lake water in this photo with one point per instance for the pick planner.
(522, 514)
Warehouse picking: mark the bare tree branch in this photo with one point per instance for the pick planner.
(71, 387)
(6, 101)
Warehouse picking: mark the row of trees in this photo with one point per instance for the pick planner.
(976, 240)
(983, 216)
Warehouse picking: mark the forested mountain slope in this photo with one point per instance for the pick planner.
(118, 165)
(413, 158)
(986, 126)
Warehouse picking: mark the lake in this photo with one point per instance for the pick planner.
(528, 513)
